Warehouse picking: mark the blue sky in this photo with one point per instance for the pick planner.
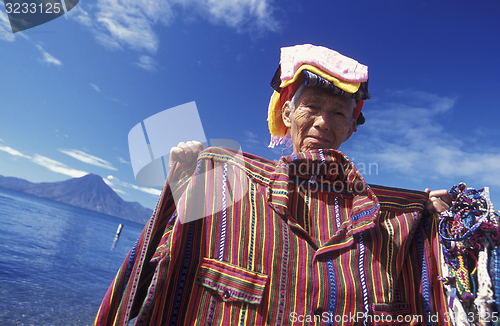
(73, 88)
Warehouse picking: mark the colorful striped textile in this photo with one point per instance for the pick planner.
(245, 241)
(469, 233)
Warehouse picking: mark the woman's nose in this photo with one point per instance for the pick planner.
(321, 121)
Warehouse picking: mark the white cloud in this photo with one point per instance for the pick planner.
(121, 160)
(80, 15)
(119, 191)
(151, 191)
(125, 23)
(251, 138)
(407, 137)
(129, 23)
(113, 182)
(60, 135)
(46, 162)
(146, 62)
(58, 167)
(252, 15)
(107, 41)
(112, 186)
(48, 58)
(87, 158)
(95, 87)
(5, 29)
(13, 152)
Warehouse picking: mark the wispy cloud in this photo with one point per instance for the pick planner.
(48, 58)
(407, 137)
(121, 160)
(5, 29)
(151, 191)
(13, 152)
(125, 23)
(46, 162)
(58, 167)
(60, 135)
(119, 191)
(243, 15)
(146, 63)
(95, 87)
(251, 138)
(87, 158)
(113, 182)
(80, 15)
(119, 24)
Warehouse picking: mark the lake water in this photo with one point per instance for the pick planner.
(56, 261)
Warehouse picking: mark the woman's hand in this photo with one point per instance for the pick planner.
(439, 201)
(185, 152)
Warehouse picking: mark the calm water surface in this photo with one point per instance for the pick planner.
(56, 261)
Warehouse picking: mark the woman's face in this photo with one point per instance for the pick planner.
(319, 119)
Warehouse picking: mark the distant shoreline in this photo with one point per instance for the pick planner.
(89, 192)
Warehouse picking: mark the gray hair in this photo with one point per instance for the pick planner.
(296, 96)
(298, 92)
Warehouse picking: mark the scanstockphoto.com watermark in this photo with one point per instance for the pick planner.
(367, 169)
(320, 184)
(151, 140)
(328, 317)
(313, 176)
(331, 168)
(25, 14)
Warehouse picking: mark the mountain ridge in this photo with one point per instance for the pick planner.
(88, 192)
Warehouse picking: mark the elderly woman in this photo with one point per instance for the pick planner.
(240, 240)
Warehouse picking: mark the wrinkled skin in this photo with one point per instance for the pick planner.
(319, 119)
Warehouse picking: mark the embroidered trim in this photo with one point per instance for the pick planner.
(130, 264)
(243, 313)
(389, 258)
(224, 214)
(366, 306)
(284, 274)
(426, 291)
(306, 213)
(332, 303)
(252, 231)
(135, 283)
(338, 221)
(187, 257)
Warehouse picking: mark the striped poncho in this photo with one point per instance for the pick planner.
(241, 240)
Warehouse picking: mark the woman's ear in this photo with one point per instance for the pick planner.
(286, 114)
